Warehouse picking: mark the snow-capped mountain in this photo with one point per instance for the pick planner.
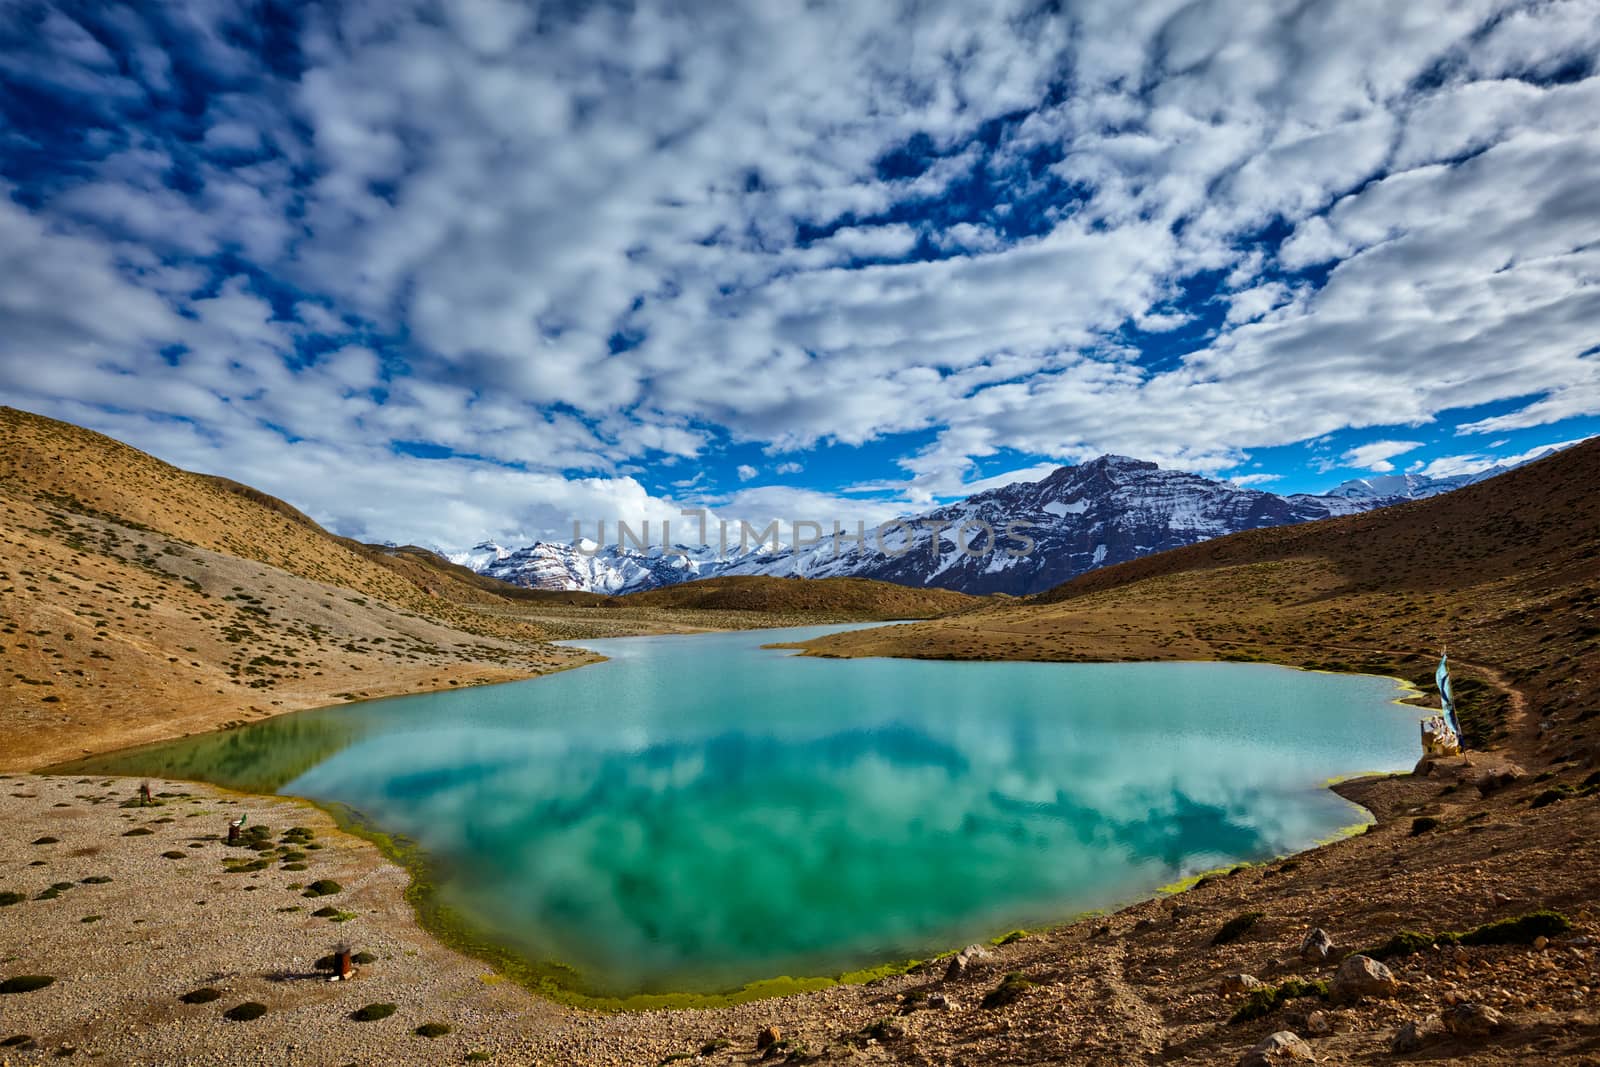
(1109, 510)
(596, 568)
(1364, 494)
(1099, 513)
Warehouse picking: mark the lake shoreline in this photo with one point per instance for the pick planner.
(557, 982)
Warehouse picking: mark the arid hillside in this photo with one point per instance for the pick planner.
(1505, 574)
(139, 601)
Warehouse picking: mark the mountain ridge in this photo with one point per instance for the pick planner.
(1079, 517)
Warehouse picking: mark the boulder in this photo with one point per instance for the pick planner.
(938, 1002)
(1317, 946)
(1238, 982)
(1281, 1047)
(964, 961)
(1474, 1020)
(1319, 1023)
(1417, 1034)
(1361, 976)
(768, 1037)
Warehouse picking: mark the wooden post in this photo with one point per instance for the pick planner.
(233, 833)
(343, 966)
(144, 794)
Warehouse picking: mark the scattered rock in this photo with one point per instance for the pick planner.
(1239, 982)
(938, 1002)
(1281, 1047)
(962, 962)
(1499, 777)
(1417, 1034)
(1319, 1024)
(1474, 1020)
(768, 1037)
(1362, 976)
(1317, 946)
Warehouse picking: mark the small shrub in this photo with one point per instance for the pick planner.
(139, 831)
(293, 867)
(323, 887)
(1552, 796)
(8, 898)
(1236, 927)
(243, 1013)
(432, 1030)
(373, 1012)
(1012, 938)
(1423, 825)
(1009, 991)
(46, 840)
(326, 912)
(95, 879)
(174, 855)
(714, 1046)
(201, 996)
(25, 983)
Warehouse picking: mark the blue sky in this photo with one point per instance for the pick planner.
(442, 272)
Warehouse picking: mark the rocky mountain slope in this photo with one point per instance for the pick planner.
(1018, 539)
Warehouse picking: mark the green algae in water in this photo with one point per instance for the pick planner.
(700, 815)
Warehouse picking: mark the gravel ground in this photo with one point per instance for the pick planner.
(1140, 986)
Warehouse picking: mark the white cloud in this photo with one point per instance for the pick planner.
(513, 193)
(1445, 466)
(1375, 455)
(746, 472)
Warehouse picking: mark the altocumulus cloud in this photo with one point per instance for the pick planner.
(442, 271)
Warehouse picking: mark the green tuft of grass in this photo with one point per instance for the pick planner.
(1236, 927)
(327, 912)
(323, 887)
(1266, 1001)
(1009, 991)
(432, 1030)
(25, 983)
(1423, 824)
(1520, 930)
(8, 898)
(373, 1012)
(139, 831)
(174, 855)
(243, 1013)
(714, 1046)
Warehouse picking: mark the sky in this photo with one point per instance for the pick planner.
(441, 272)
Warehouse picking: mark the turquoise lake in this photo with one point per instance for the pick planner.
(699, 812)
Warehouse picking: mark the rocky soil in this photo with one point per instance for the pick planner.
(1145, 985)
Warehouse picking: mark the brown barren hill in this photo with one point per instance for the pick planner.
(139, 601)
(835, 597)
